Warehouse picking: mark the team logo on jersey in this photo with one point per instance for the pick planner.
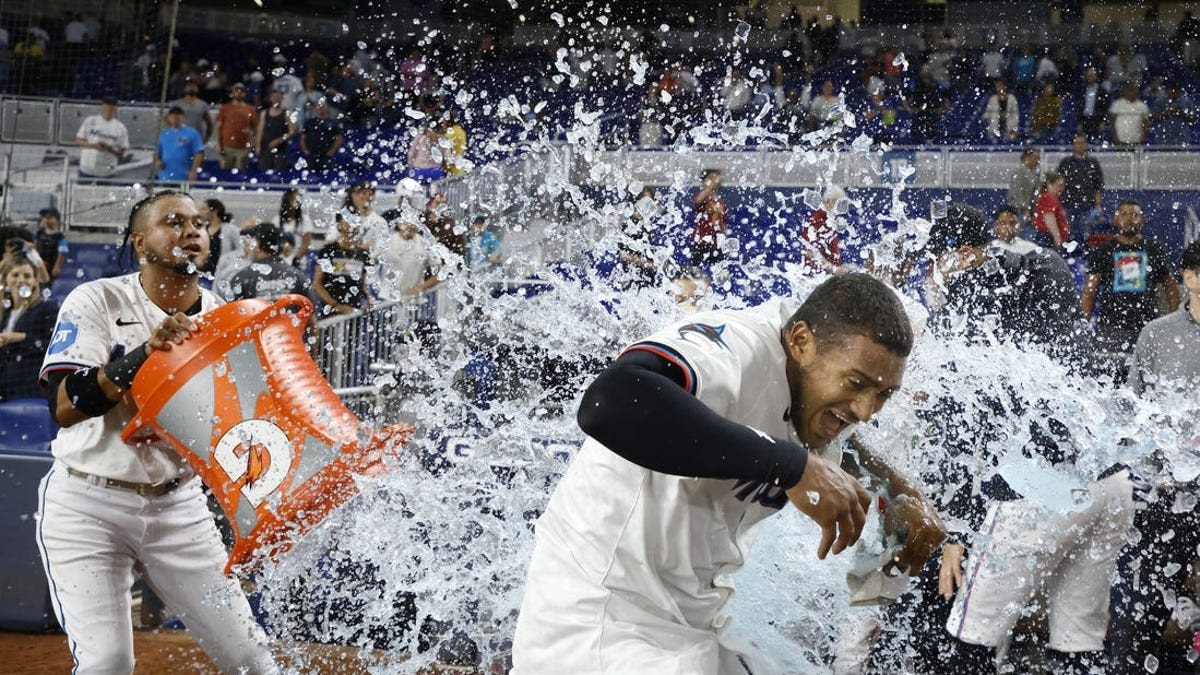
(709, 338)
(65, 332)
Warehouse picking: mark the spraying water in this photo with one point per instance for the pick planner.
(428, 564)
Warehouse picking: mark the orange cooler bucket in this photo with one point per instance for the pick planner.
(243, 402)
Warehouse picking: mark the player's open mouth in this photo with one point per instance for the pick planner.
(832, 423)
(192, 249)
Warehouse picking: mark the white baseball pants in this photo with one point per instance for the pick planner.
(1024, 548)
(90, 538)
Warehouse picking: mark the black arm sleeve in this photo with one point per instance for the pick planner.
(638, 408)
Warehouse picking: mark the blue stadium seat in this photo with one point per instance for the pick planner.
(24, 594)
(60, 287)
(26, 426)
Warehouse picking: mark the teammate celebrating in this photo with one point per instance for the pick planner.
(106, 506)
(695, 436)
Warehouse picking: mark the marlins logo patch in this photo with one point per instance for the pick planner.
(709, 338)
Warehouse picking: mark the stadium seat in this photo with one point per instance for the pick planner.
(26, 426)
(60, 287)
(24, 594)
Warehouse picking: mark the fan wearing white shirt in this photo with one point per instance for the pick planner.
(1129, 117)
(103, 139)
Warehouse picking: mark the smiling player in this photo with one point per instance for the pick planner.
(694, 437)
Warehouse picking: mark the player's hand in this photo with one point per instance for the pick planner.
(950, 577)
(925, 531)
(172, 331)
(834, 500)
(9, 337)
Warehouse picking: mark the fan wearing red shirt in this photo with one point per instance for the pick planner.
(822, 244)
(711, 220)
(1049, 216)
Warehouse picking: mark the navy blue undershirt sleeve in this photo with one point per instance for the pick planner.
(639, 408)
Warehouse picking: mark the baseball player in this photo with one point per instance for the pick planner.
(106, 506)
(696, 435)
(1021, 546)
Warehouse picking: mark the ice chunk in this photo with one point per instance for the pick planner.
(900, 62)
(861, 144)
(812, 199)
(742, 31)
(557, 18)
(1151, 664)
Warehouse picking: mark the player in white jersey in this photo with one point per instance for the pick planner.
(103, 139)
(106, 506)
(694, 437)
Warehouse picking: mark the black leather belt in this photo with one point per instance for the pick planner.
(143, 489)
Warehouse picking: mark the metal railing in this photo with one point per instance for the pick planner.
(359, 349)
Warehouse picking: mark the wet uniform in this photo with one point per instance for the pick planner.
(94, 526)
(632, 568)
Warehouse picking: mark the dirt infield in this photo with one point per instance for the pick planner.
(171, 651)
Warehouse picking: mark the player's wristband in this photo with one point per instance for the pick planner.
(84, 392)
(122, 370)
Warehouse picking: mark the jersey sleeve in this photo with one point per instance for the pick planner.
(82, 335)
(84, 129)
(710, 352)
(123, 137)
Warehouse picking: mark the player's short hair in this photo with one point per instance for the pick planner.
(856, 304)
(1191, 257)
(1129, 202)
(1030, 151)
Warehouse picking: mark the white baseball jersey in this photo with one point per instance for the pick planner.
(99, 320)
(632, 569)
(96, 129)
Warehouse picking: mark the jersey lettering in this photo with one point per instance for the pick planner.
(758, 492)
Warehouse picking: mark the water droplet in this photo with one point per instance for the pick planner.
(814, 497)
(742, 31)
(1151, 663)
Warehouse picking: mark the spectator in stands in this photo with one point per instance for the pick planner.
(179, 79)
(103, 139)
(483, 246)
(1047, 69)
(1124, 68)
(289, 86)
(1066, 62)
(195, 110)
(1003, 114)
(1024, 69)
(927, 104)
(236, 124)
(1052, 229)
(1126, 274)
(1084, 192)
(1173, 118)
(1167, 352)
(735, 93)
(343, 268)
(1129, 117)
(1093, 106)
(51, 243)
(408, 261)
(821, 242)
(711, 220)
(1047, 114)
(992, 64)
(276, 127)
(213, 81)
(1023, 185)
(822, 111)
(880, 118)
(440, 223)
(358, 209)
(1006, 225)
(26, 325)
(422, 164)
(180, 150)
(267, 276)
(1187, 39)
(322, 137)
(454, 144)
(18, 243)
(295, 221)
(225, 247)
(1155, 93)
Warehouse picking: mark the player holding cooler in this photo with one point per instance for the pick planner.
(694, 437)
(106, 506)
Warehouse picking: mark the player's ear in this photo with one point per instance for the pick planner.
(800, 344)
